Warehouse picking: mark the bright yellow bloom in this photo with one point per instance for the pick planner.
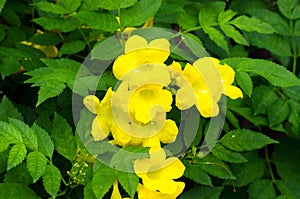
(158, 173)
(144, 193)
(116, 193)
(103, 120)
(227, 76)
(129, 133)
(139, 52)
(202, 84)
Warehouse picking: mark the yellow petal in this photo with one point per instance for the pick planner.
(185, 97)
(172, 169)
(148, 96)
(233, 92)
(100, 129)
(92, 103)
(124, 64)
(135, 42)
(116, 193)
(144, 193)
(161, 44)
(169, 132)
(207, 106)
(227, 73)
(120, 137)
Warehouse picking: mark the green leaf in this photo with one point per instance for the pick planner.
(103, 179)
(10, 133)
(196, 174)
(123, 159)
(241, 108)
(108, 49)
(263, 97)
(63, 137)
(294, 116)
(139, 13)
(51, 7)
(53, 78)
(88, 191)
(36, 164)
(8, 110)
(62, 24)
(194, 44)
(278, 111)
(248, 172)
(18, 174)
(275, 20)
(46, 39)
(9, 65)
(245, 140)
(71, 5)
(227, 155)
(201, 192)
(2, 3)
(288, 188)
(296, 12)
(231, 32)
(297, 28)
(71, 47)
(115, 4)
(262, 188)
(214, 167)
(292, 92)
(11, 17)
(17, 154)
(217, 37)
(208, 15)
(45, 144)
(252, 24)
(129, 182)
(276, 74)
(270, 42)
(98, 20)
(286, 7)
(245, 82)
(232, 119)
(28, 136)
(51, 180)
(286, 164)
(3, 144)
(226, 16)
(16, 191)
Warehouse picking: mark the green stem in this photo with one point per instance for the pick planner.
(269, 165)
(192, 29)
(85, 39)
(294, 49)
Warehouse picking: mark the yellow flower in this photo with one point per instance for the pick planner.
(145, 98)
(139, 52)
(202, 84)
(127, 133)
(116, 193)
(144, 193)
(227, 76)
(103, 120)
(158, 173)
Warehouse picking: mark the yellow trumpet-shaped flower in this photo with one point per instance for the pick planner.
(116, 193)
(158, 174)
(139, 52)
(104, 119)
(202, 84)
(144, 193)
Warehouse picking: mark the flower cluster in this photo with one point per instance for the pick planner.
(135, 114)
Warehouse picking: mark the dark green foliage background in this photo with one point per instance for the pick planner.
(41, 155)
